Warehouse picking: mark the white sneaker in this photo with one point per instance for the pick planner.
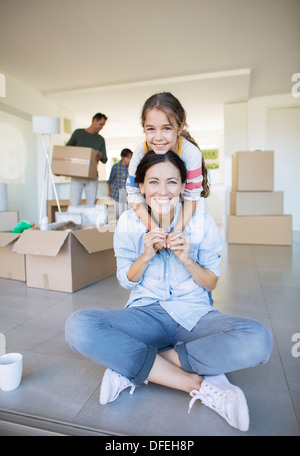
(227, 400)
(112, 385)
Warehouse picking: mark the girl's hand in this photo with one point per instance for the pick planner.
(154, 240)
(180, 245)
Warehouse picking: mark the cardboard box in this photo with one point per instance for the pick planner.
(8, 220)
(255, 229)
(256, 203)
(12, 265)
(66, 260)
(74, 162)
(253, 171)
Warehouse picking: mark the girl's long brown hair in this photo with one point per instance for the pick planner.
(170, 105)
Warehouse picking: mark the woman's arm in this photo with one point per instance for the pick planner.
(180, 245)
(138, 268)
(203, 277)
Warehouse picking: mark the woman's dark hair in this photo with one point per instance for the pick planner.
(151, 159)
(171, 106)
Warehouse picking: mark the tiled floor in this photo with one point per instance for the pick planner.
(60, 389)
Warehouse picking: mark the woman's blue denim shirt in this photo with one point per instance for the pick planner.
(166, 280)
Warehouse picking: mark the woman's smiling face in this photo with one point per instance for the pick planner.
(162, 187)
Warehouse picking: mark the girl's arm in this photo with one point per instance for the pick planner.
(134, 195)
(142, 212)
(192, 158)
(186, 212)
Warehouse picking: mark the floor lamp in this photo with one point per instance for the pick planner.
(46, 126)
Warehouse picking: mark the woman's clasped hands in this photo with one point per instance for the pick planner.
(158, 238)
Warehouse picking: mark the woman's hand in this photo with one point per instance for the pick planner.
(180, 245)
(154, 240)
(153, 237)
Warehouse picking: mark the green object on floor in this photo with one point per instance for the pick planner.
(21, 226)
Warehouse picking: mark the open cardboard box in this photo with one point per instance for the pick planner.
(67, 260)
(12, 265)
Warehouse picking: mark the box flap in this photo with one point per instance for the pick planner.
(93, 240)
(37, 242)
(7, 238)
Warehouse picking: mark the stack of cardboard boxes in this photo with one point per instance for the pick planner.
(256, 210)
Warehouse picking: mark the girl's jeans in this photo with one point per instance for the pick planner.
(128, 340)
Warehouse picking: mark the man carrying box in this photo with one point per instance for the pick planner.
(88, 137)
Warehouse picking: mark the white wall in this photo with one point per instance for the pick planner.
(267, 123)
(22, 157)
(284, 139)
(25, 100)
(18, 165)
(235, 139)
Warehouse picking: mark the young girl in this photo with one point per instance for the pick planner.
(164, 122)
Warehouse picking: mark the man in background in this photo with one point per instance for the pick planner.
(88, 137)
(117, 180)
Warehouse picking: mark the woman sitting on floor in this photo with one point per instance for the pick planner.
(169, 333)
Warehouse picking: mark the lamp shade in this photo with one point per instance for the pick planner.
(46, 125)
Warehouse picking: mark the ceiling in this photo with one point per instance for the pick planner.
(109, 56)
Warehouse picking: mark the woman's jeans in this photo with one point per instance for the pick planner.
(128, 340)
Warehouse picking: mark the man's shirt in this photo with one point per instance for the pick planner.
(117, 180)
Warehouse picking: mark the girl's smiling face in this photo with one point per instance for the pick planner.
(162, 187)
(161, 134)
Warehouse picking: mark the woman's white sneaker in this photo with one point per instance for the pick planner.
(112, 385)
(224, 398)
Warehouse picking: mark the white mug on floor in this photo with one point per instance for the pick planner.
(11, 368)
